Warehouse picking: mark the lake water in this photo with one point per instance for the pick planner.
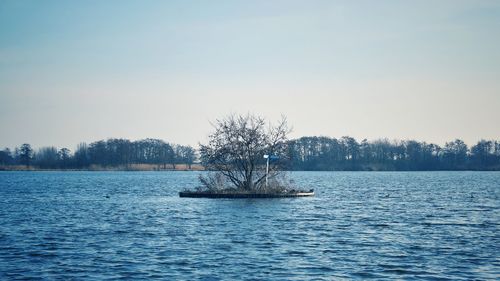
(133, 225)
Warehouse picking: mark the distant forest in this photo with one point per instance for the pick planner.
(306, 153)
(102, 154)
(347, 154)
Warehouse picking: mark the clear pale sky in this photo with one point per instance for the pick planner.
(73, 71)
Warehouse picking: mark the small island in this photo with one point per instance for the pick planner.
(245, 157)
(236, 194)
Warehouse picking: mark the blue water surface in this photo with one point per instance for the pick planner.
(360, 225)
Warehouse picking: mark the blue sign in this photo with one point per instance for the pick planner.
(271, 157)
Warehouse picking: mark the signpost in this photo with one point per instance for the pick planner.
(269, 157)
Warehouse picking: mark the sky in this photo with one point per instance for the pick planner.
(81, 71)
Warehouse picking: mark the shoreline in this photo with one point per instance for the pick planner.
(98, 168)
(200, 169)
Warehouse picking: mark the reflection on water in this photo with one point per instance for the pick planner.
(109, 225)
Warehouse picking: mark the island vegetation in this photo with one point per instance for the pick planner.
(245, 155)
(305, 153)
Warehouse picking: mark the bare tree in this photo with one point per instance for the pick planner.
(6, 157)
(64, 157)
(185, 154)
(46, 157)
(237, 147)
(189, 156)
(26, 154)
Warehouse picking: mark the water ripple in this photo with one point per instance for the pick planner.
(132, 225)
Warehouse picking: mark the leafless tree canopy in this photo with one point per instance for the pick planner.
(237, 147)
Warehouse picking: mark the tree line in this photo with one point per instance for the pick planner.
(306, 153)
(104, 153)
(346, 153)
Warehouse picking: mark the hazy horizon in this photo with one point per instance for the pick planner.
(72, 147)
(75, 72)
